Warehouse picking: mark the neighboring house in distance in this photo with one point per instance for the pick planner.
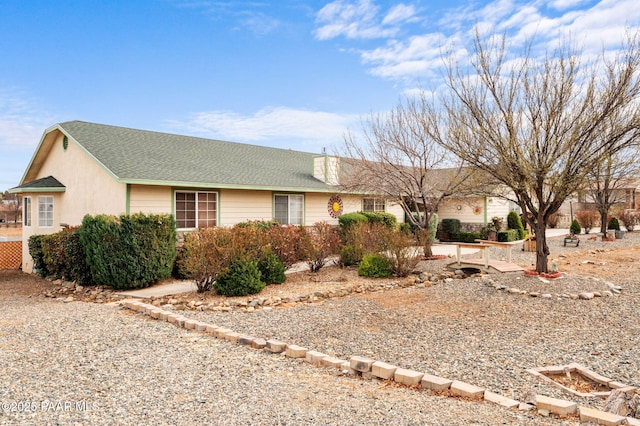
(84, 168)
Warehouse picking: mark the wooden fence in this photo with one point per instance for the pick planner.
(10, 252)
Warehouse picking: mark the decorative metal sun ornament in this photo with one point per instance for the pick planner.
(335, 206)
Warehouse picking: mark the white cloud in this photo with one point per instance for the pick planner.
(399, 13)
(21, 121)
(590, 26)
(360, 20)
(278, 126)
(566, 4)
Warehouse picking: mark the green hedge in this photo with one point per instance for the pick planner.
(129, 251)
(465, 237)
(243, 277)
(348, 219)
(271, 269)
(375, 265)
(508, 235)
(64, 256)
(387, 219)
(451, 226)
(515, 222)
(35, 250)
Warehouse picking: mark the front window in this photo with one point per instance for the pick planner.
(45, 211)
(26, 211)
(196, 209)
(289, 209)
(373, 205)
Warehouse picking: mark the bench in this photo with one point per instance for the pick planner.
(502, 244)
(480, 246)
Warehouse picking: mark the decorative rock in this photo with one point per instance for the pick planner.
(586, 296)
(275, 346)
(190, 324)
(361, 364)
(466, 390)
(258, 343)
(245, 340)
(559, 407)
(232, 336)
(383, 370)
(526, 407)
(314, 357)
(68, 299)
(221, 332)
(600, 417)
(294, 351)
(500, 400)
(332, 362)
(407, 377)
(435, 383)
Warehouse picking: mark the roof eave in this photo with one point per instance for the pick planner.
(21, 190)
(179, 184)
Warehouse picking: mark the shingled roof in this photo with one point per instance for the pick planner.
(46, 184)
(147, 157)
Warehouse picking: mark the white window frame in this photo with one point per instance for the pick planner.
(379, 204)
(197, 193)
(45, 211)
(290, 215)
(26, 212)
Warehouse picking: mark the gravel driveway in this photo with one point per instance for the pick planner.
(81, 363)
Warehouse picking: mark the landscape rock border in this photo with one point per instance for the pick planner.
(368, 368)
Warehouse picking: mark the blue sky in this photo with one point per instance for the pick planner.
(292, 74)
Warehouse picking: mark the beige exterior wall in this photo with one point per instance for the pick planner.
(150, 199)
(35, 229)
(89, 190)
(241, 206)
(472, 209)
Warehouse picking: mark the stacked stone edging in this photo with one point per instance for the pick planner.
(368, 368)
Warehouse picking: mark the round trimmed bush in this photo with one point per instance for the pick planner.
(375, 265)
(614, 224)
(271, 269)
(243, 277)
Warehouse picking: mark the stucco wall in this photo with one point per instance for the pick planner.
(90, 189)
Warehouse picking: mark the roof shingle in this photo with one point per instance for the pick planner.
(153, 157)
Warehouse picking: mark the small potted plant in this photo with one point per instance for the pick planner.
(614, 225)
(572, 238)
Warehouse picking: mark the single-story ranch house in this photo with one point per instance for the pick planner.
(84, 168)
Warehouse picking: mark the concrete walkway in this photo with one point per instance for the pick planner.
(185, 286)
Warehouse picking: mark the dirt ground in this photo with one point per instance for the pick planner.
(10, 231)
(608, 264)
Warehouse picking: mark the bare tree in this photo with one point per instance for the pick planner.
(400, 161)
(538, 126)
(608, 180)
(12, 206)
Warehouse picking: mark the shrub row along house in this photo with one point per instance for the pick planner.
(84, 168)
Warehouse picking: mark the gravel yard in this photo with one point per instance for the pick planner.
(128, 369)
